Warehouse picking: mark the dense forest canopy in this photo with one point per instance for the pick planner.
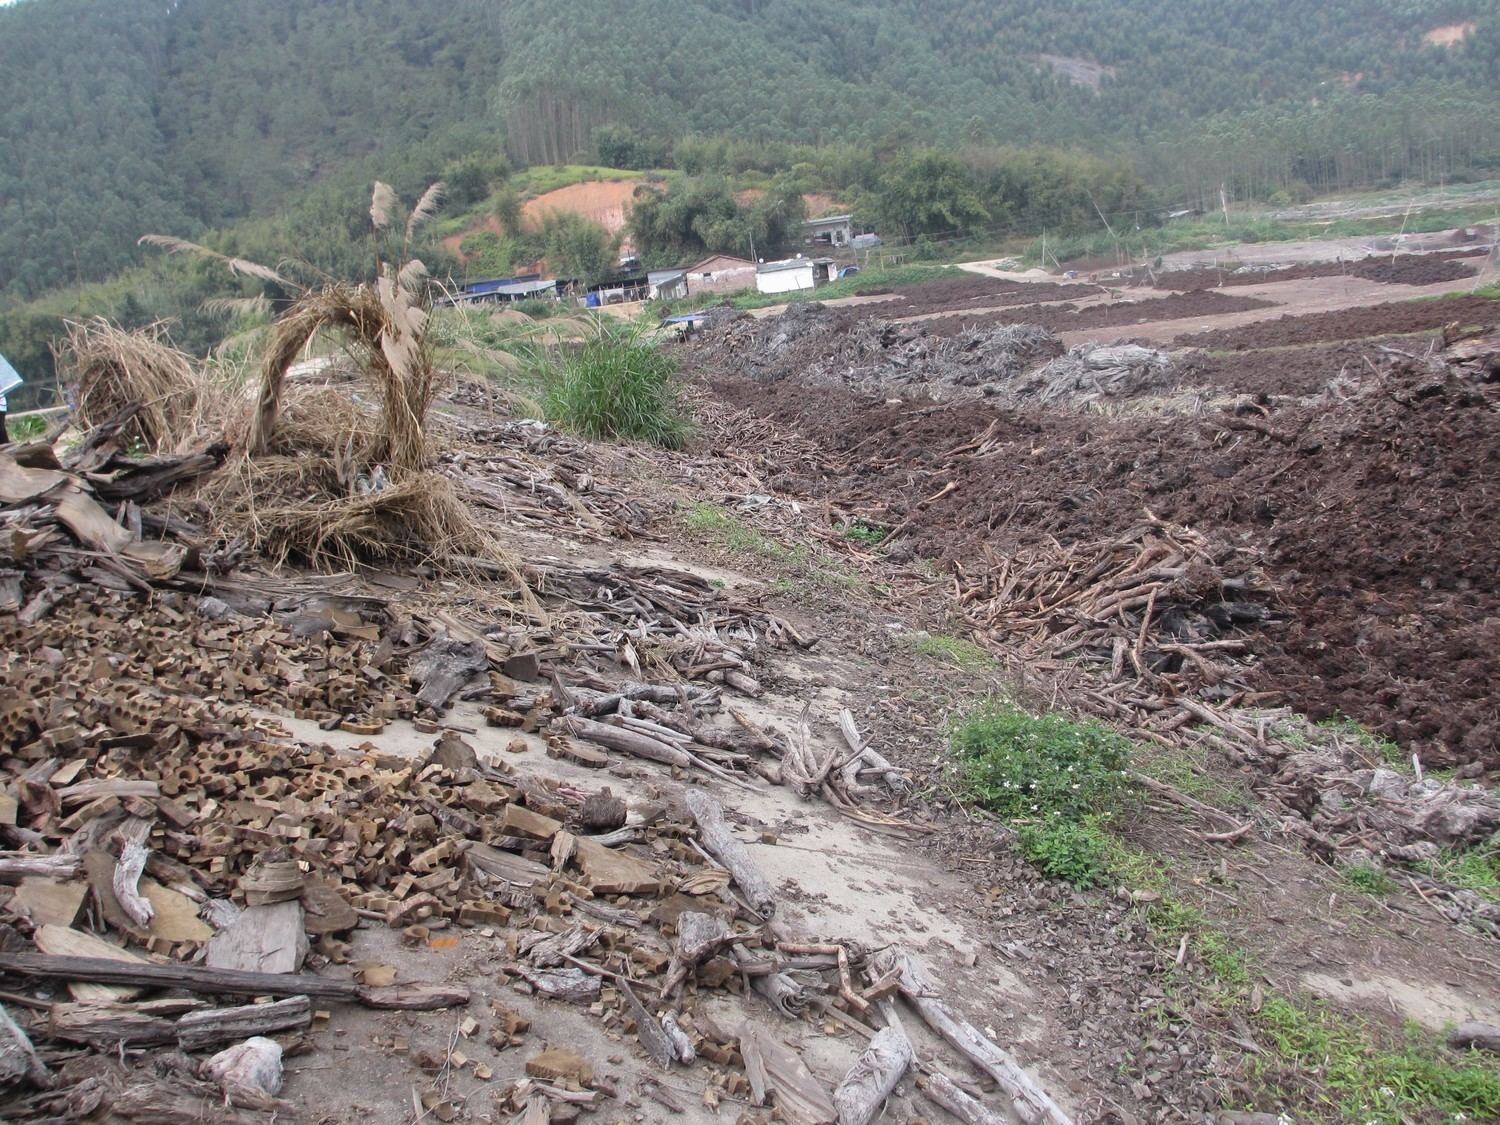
(260, 125)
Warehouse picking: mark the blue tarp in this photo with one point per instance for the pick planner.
(10, 378)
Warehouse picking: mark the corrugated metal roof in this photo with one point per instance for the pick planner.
(656, 277)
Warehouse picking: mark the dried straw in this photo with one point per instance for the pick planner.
(107, 368)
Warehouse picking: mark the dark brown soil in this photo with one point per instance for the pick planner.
(1377, 519)
(1391, 318)
(1420, 269)
(1070, 318)
(1289, 371)
(973, 291)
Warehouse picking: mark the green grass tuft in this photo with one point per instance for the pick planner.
(1475, 868)
(616, 388)
(27, 427)
(1368, 878)
(952, 650)
(860, 533)
(1073, 852)
(1039, 767)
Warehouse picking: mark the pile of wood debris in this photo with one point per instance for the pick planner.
(169, 844)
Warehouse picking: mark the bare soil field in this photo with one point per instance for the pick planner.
(1358, 504)
(955, 294)
(606, 202)
(1411, 269)
(1394, 317)
(1071, 318)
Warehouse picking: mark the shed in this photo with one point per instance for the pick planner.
(505, 289)
(667, 285)
(793, 274)
(721, 273)
(831, 230)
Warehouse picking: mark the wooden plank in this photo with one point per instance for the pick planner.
(523, 822)
(51, 902)
(197, 1030)
(263, 939)
(65, 942)
(615, 873)
(412, 996)
(175, 916)
(107, 1025)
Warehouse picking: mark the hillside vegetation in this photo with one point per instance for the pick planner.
(258, 127)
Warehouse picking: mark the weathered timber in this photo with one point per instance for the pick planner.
(874, 1076)
(626, 741)
(1031, 1103)
(411, 996)
(719, 842)
(126, 883)
(220, 1025)
(967, 1109)
(263, 939)
(17, 866)
(18, 1058)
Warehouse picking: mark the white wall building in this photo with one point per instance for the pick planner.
(793, 274)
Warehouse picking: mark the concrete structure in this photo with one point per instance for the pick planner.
(667, 285)
(832, 230)
(721, 273)
(793, 275)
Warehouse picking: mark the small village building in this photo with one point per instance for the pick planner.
(831, 230)
(526, 287)
(793, 274)
(721, 273)
(621, 290)
(667, 285)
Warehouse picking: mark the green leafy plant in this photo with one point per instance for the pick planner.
(1076, 853)
(860, 533)
(1051, 775)
(26, 427)
(1037, 767)
(616, 388)
(953, 650)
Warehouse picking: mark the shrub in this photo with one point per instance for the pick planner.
(1039, 767)
(614, 388)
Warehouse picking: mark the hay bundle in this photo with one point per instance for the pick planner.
(107, 368)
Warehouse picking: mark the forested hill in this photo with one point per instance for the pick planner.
(141, 115)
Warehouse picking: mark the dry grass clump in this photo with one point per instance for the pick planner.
(329, 476)
(322, 493)
(108, 368)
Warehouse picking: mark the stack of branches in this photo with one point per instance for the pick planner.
(108, 369)
(1151, 612)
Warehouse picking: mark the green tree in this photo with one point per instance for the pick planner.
(578, 248)
(928, 193)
